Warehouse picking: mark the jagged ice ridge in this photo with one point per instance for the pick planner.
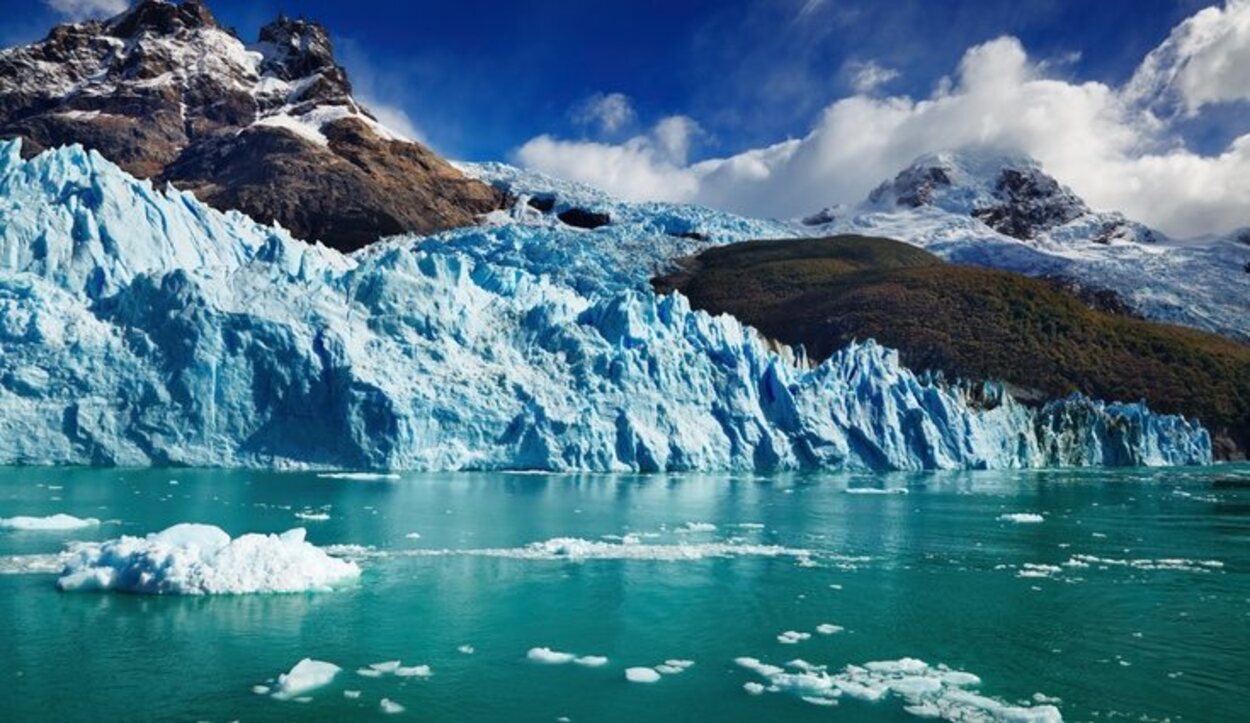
(140, 327)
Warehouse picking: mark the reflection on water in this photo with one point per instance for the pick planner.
(936, 573)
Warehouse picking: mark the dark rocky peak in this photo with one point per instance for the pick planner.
(1009, 193)
(161, 17)
(299, 51)
(1030, 202)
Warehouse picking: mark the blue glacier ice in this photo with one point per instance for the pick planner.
(139, 327)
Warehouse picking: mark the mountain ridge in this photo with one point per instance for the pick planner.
(270, 129)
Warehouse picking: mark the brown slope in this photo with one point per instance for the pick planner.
(168, 94)
(973, 323)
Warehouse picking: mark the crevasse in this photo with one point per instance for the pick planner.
(140, 327)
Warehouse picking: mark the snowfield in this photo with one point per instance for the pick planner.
(140, 327)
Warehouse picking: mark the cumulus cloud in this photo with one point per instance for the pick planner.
(868, 76)
(1099, 139)
(82, 9)
(647, 166)
(610, 113)
(1205, 60)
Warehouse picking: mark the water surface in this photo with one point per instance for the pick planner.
(1155, 626)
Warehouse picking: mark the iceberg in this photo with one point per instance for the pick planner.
(59, 521)
(139, 327)
(193, 559)
(306, 676)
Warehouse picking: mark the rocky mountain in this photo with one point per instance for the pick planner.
(270, 129)
(1001, 211)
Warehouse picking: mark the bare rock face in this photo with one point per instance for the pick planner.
(269, 129)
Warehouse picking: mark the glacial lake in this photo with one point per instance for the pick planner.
(1129, 600)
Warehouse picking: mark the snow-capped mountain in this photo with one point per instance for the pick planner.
(143, 327)
(1004, 211)
(270, 128)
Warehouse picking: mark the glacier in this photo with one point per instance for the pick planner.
(140, 327)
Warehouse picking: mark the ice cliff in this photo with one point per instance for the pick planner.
(140, 327)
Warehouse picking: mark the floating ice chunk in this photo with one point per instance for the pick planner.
(414, 671)
(1036, 570)
(55, 522)
(576, 549)
(305, 677)
(876, 490)
(312, 516)
(691, 527)
(641, 675)
(1022, 518)
(926, 691)
(466, 649)
(791, 637)
(368, 673)
(388, 666)
(591, 661)
(828, 628)
(260, 689)
(360, 476)
(191, 559)
(413, 536)
(547, 656)
(351, 694)
(390, 707)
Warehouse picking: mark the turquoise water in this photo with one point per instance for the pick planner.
(933, 574)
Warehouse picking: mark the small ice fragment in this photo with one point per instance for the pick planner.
(1022, 518)
(306, 676)
(414, 671)
(385, 667)
(369, 673)
(351, 694)
(641, 675)
(260, 689)
(548, 656)
(828, 628)
(390, 707)
(413, 536)
(690, 527)
(312, 516)
(591, 661)
(753, 688)
(791, 637)
(466, 649)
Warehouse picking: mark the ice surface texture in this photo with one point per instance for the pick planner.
(191, 559)
(140, 327)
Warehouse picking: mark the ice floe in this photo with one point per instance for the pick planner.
(360, 476)
(390, 707)
(791, 637)
(641, 675)
(194, 559)
(577, 549)
(312, 516)
(591, 661)
(925, 691)
(876, 490)
(1022, 518)
(547, 656)
(58, 521)
(305, 677)
(828, 628)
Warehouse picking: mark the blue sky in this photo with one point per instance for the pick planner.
(778, 107)
(480, 77)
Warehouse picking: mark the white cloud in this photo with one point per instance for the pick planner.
(82, 9)
(1094, 137)
(868, 76)
(394, 118)
(644, 167)
(611, 112)
(1205, 60)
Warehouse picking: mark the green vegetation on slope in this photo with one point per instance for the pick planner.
(972, 323)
